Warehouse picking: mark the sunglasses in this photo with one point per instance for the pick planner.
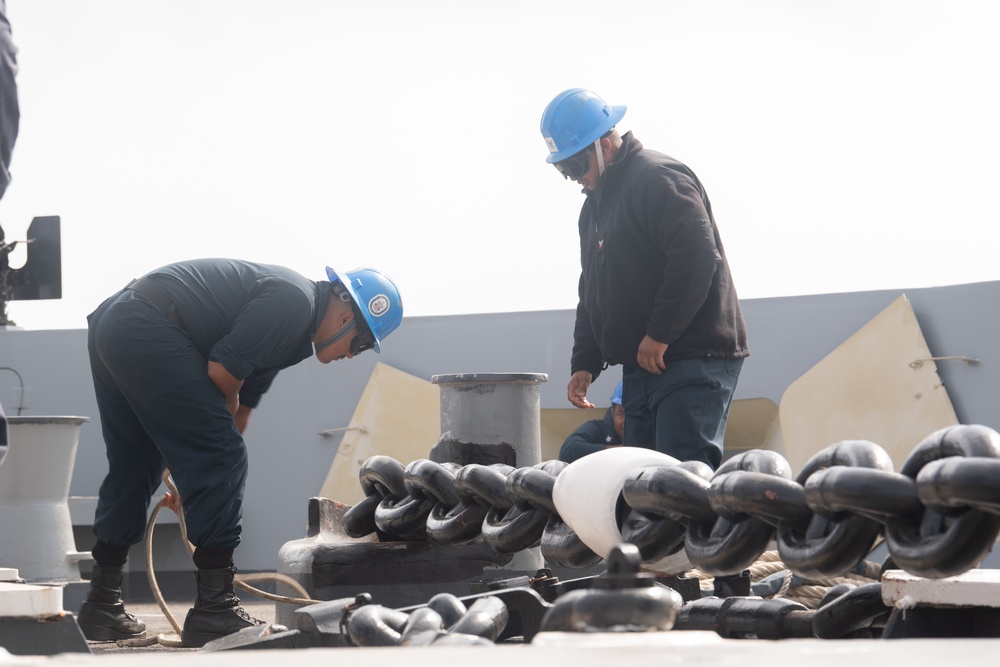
(575, 166)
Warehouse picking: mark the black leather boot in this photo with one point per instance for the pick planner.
(102, 616)
(217, 611)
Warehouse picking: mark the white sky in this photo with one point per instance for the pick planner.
(845, 145)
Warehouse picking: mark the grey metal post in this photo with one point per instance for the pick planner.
(490, 418)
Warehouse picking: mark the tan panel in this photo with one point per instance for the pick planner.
(753, 424)
(869, 388)
(398, 415)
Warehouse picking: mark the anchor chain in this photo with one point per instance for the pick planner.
(510, 509)
(939, 515)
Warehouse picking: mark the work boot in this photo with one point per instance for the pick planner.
(217, 611)
(102, 616)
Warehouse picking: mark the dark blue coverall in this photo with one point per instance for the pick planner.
(157, 404)
(589, 437)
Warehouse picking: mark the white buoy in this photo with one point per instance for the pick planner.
(586, 492)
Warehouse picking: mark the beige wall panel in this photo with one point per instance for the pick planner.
(871, 387)
(753, 424)
(398, 415)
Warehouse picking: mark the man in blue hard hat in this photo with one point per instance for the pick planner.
(180, 358)
(595, 435)
(655, 293)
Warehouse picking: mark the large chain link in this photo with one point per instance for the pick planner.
(734, 538)
(520, 526)
(662, 501)
(950, 535)
(819, 542)
(939, 515)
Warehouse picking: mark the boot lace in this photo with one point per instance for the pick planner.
(243, 613)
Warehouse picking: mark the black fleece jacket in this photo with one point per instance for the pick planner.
(653, 263)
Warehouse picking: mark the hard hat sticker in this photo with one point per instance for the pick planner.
(550, 142)
(378, 305)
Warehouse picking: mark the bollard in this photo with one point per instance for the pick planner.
(36, 532)
(490, 418)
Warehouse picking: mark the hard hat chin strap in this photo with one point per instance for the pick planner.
(346, 329)
(600, 159)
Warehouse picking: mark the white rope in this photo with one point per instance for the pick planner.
(808, 593)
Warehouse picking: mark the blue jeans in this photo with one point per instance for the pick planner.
(683, 411)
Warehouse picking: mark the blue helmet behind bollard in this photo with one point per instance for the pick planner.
(574, 120)
(616, 397)
(376, 297)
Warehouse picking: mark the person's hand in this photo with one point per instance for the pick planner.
(576, 391)
(242, 418)
(173, 502)
(228, 385)
(650, 355)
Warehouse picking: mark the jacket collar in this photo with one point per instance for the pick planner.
(630, 146)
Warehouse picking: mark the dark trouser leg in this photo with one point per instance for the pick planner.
(135, 465)
(638, 430)
(684, 410)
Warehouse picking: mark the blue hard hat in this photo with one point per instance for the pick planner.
(376, 296)
(574, 120)
(616, 398)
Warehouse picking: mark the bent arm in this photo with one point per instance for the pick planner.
(242, 418)
(228, 385)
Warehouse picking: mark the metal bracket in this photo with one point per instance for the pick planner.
(920, 362)
(330, 432)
